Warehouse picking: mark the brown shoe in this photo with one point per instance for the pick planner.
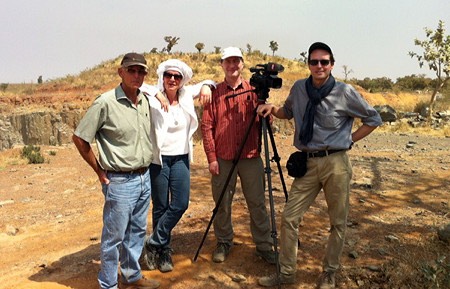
(272, 280)
(327, 280)
(268, 256)
(221, 252)
(142, 283)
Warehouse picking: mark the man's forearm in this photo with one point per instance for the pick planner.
(86, 152)
(362, 132)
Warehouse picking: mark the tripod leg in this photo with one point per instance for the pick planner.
(268, 172)
(276, 158)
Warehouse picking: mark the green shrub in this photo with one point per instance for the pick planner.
(33, 154)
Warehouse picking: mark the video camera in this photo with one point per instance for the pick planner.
(265, 76)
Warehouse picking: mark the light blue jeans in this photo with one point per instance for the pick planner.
(127, 200)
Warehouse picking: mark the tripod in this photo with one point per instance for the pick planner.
(266, 130)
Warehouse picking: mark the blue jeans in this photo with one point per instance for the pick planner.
(170, 196)
(127, 200)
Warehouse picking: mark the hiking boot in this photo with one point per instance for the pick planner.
(165, 263)
(327, 280)
(143, 283)
(150, 256)
(272, 280)
(268, 256)
(221, 252)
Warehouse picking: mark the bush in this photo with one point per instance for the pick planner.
(421, 107)
(33, 154)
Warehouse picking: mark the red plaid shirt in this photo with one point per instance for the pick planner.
(226, 120)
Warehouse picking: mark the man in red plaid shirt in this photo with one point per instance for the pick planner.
(224, 124)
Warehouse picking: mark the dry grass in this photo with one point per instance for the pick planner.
(11, 157)
(403, 127)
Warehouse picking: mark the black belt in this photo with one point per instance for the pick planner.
(319, 154)
(139, 171)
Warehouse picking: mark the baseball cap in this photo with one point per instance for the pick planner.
(133, 58)
(321, 46)
(230, 52)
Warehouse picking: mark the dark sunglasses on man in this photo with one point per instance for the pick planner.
(323, 62)
(133, 71)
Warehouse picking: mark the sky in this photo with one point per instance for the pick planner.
(56, 38)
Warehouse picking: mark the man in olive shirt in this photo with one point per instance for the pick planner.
(119, 121)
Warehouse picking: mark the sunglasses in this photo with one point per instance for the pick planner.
(133, 71)
(323, 62)
(175, 76)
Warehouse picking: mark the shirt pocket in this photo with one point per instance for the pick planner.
(329, 119)
(250, 104)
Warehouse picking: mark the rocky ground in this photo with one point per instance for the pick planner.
(51, 221)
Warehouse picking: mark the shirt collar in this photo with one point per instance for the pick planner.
(120, 94)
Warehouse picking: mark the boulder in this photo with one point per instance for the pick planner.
(387, 113)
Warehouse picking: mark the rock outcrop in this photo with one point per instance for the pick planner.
(44, 127)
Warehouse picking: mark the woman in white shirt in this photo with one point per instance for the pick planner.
(172, 152)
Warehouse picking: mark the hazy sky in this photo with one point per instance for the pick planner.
(55, 38)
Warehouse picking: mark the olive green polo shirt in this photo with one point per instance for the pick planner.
(121, 130)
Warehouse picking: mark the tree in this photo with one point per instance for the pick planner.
(304, 56)
(249, 48)
(273, 46)
(413, 82)
(346, 71)
(216, 49)
(3, 87)
(39, 80)
(171, 42)
(376, 84)
(154, 50)
(436, 53)
(199, 46)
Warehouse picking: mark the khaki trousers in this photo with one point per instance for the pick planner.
(251, 174)
(332, 174)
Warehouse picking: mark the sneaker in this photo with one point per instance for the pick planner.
(272, 280)
(150, 256)
(268, 256)
(327, 280)
(143, 283)
(165, 263)
(221, 252)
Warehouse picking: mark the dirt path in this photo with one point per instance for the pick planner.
(51, 221)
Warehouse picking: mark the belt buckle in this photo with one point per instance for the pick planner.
(140, 170)
(312, 154)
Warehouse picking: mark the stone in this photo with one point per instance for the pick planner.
(444, 233)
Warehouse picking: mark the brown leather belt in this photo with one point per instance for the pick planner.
(139, 171)
(320, 154)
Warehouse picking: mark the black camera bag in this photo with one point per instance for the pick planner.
(296, 164)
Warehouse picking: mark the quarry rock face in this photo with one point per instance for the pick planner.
(38, 128)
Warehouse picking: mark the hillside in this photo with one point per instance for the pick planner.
(47, 113)
(80, 90)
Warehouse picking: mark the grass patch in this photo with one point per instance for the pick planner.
(11, 157)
